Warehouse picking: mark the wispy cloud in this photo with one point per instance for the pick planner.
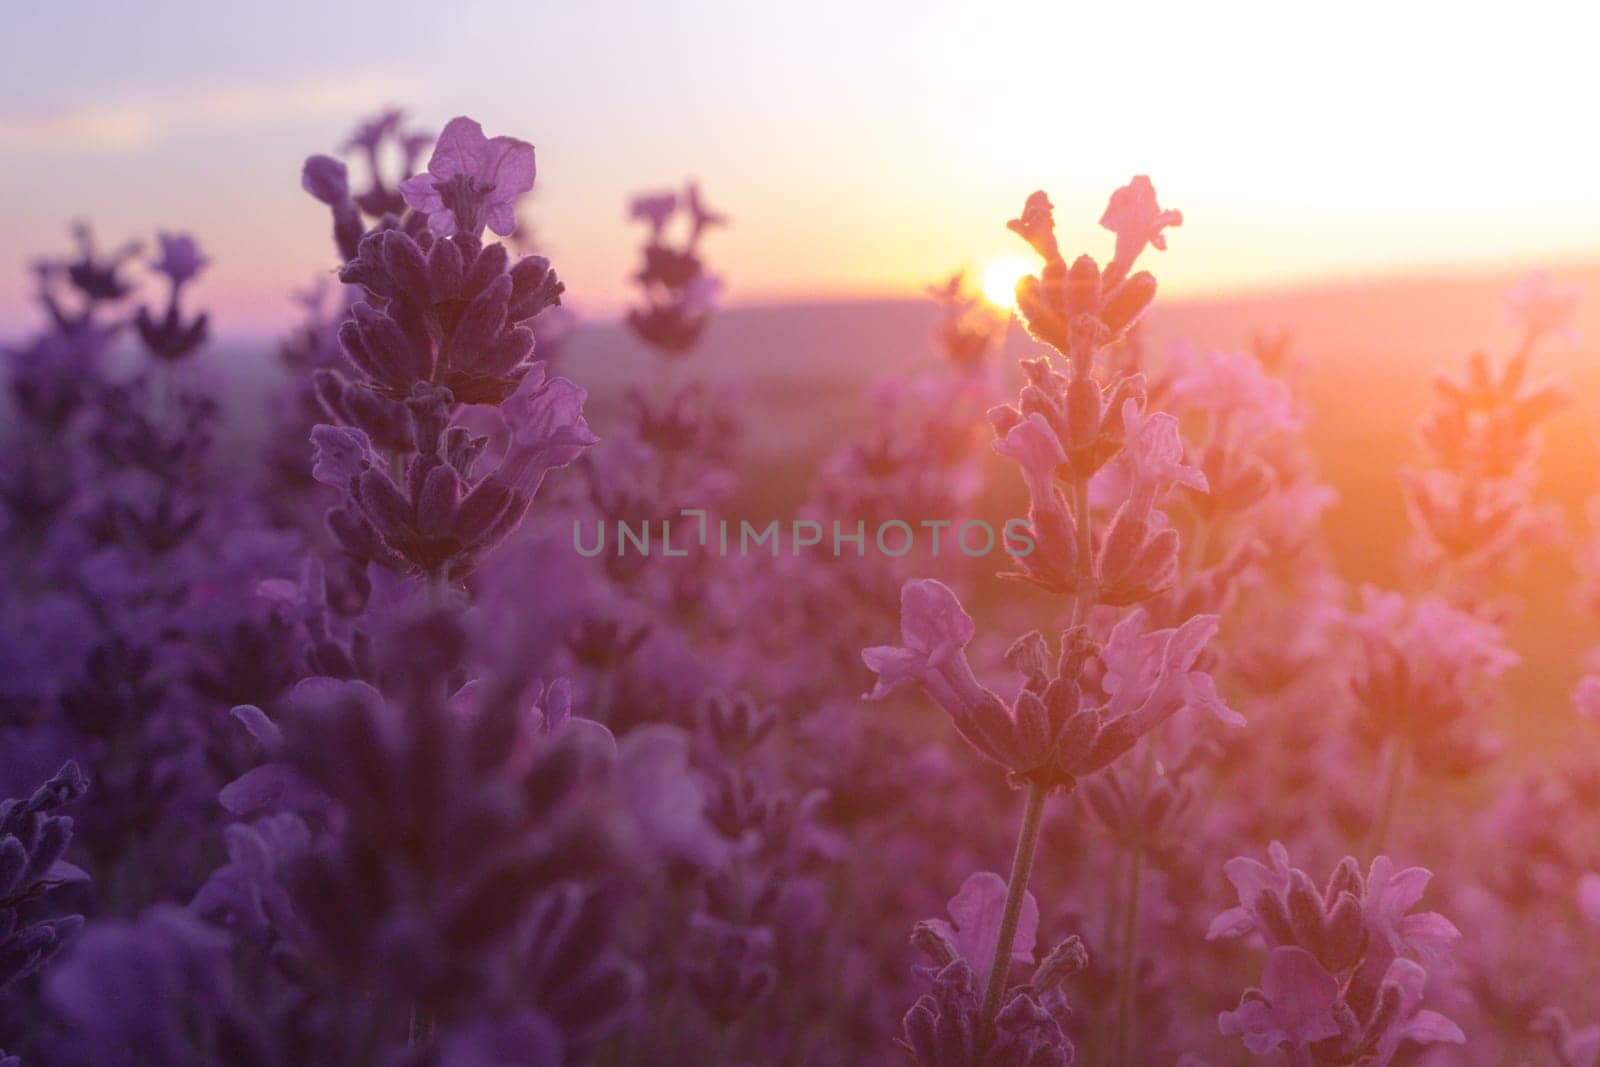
(132, 124)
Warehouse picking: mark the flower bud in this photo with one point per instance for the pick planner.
(1128, 302)
(1062, 962)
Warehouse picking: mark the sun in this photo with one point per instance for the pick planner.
(1000, 277)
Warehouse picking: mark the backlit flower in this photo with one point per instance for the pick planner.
(471, 181)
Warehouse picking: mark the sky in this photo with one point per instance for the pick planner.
(862, 149)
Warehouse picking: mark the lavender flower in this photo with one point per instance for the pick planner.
(472, 181)
(33, 842)
(1348, 965)
(678, 291)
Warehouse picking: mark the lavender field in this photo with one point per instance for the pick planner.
(1017, 665)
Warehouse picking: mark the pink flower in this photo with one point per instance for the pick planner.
(1574, 1046)
(1154, 453)
(1586, 697)
(1589, 899)
(1426, 937)
(1425, 665)
(1539, 306)
(548, 430)
(1293, 1007)
(1137, 220)
(935, 631)
(1034, 447)
(472, 181)
(654, 208)
(700, 212)
(339, 455)
(1147, 673)
(975, 930)
(1251, 878)
(1412, 1022)
(1234, 389)
(665, 797)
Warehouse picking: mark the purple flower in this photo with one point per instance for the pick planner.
(1293, 1007)
(33, 842)
(975, 922)
(180, 257)
(472, 181)
(548, 429)
(1411, 1022)
(144, 991)
(1154, 453)
(369, 133)
(1034, 447)
(667, 802)
(935, 631)
(654, 208)
(527, 1039)
(1251, 878)
(1426, 937)
(245, 893)
(1149, 675)
(326, 179)
(700, 214)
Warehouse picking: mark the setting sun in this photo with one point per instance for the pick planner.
(1000, 277)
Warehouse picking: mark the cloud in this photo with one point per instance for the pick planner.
(134, 124)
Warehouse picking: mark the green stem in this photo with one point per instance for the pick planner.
(1016, 888)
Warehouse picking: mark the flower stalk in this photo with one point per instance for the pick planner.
(1016, 889)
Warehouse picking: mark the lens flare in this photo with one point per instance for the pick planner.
(1000, 277)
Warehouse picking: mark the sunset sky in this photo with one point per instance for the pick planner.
(862, 149)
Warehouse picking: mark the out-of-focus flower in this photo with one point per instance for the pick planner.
(679, 292)
(701, 216)
(1573, 1046)
(170, 337)
(654, 208)
(180, 257)
(1586, 697)
(152, 990)
(472, 181)
(1541, 307)
(1424, 676)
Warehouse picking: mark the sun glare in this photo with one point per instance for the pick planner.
(1000, 277)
